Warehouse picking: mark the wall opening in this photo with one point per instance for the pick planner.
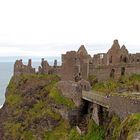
(110, 60)
(122, 71)
(123, 59)
(85, 106)
(112, 73)
(138, 60)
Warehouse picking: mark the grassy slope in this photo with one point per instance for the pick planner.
(111, 86)
(30, 101)
(125, 129)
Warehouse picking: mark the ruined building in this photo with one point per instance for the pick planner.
(20, 68)
(77, 65)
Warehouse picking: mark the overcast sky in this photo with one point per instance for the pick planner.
(50, 27)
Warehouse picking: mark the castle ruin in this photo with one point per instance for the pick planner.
(77, 65)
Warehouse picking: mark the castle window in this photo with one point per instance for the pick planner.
(110, 60)
(112, 73)
(123, 59)
(138, 60)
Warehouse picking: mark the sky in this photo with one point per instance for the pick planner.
(52, 27)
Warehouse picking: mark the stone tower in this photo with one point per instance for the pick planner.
(75, 65)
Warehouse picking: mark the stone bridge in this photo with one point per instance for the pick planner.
(122, 106)
(96, 98)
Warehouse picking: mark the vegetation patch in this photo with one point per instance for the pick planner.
(94, 132)
(125, 129)
(125, 84)
(60, 99)
(14, 99)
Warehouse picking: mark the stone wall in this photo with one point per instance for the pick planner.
(71, 90)
(124, 106)
(95, 114)
(116, 71)
(69, 66)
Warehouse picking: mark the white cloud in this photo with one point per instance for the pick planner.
(63, 22)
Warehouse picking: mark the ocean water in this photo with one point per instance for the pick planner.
(6, 72)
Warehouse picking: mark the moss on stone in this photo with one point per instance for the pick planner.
(60, 99)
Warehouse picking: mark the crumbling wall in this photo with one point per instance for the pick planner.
(44, 68)
(20, 68)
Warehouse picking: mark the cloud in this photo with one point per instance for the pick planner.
(69, 21)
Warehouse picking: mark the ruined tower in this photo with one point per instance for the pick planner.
(75, 65)
(20, 68)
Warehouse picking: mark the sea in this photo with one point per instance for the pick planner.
(7, 67)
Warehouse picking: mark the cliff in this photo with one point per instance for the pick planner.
(36, 108)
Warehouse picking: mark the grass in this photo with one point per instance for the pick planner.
(60, 99)
(125, 83)
(63, 131)
(127, 128)
(59, 133)
(14, 99)
(131, 125)
(94, 132)
(41, 109)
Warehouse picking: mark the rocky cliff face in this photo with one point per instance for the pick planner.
(33, 106)
(40, 107)
(35, 109)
